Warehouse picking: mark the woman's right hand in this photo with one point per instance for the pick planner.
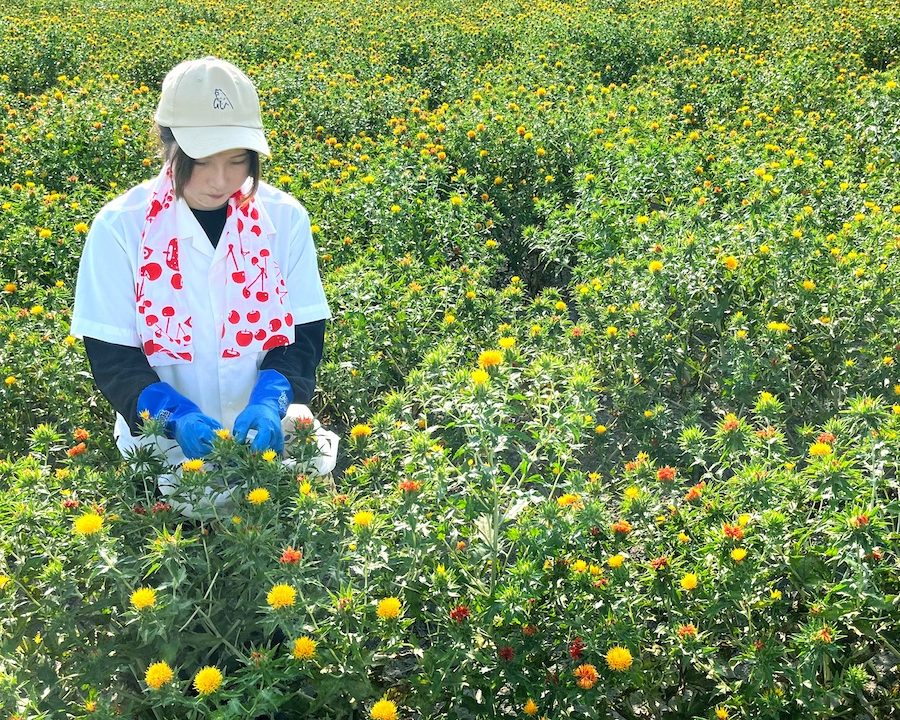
(194, 432)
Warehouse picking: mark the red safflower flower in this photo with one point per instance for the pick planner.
(621, 526)
(139, 510)
(459, 613)
(660, 563)
(735, 532)
(529, 630)
(340, 499)
(860, 521)
(70, 503)
(601, 582)
(76, 450)
(506, 653)
(826, 437)
(290, 556)
(576, 648)
(758, 645)
(824, 635)
(160, 507)
(595, 531)
(577, 332)
(410, 486)
(666, 474)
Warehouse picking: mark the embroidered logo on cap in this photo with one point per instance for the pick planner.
(221, 101)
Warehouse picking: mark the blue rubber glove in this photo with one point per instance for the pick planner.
(267, 406)
(183, 419)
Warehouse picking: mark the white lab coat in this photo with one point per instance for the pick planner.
(105, 306)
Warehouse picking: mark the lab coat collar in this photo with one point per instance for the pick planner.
(189, 228)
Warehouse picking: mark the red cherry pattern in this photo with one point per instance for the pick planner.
(252, 317)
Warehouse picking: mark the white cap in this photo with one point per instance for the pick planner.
(211, 106)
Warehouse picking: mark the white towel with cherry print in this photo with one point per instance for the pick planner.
(251, 287)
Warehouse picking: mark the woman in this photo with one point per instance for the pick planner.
(198, 295)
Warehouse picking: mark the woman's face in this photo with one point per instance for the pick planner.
(216, 178)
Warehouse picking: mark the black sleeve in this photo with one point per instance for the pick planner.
(121, 373)
(299, 360)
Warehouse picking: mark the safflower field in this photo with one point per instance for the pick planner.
(614, 362)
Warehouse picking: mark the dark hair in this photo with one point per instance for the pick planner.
(183, 165)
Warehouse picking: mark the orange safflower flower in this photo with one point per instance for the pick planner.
(695, 491)
(687, 631)
(290, 556)
(622, 526)
(587, 676)
(666, 474)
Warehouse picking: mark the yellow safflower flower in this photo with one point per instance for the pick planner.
(618, 658)
(530, 708)
(281, 596)
(258, 496)
(738, 554)
(820, 449)
(363, 519)
(304, 648)
(568, 500)
(384, 710)
(689, 581)
(158, 674)
(207, 680)
(143, 598)
(360, 431)
(490, 358)
(389, 608)
(616, 561)
(87, 524)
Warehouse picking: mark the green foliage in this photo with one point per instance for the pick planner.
(615, 293)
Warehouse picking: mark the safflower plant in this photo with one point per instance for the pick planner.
(613, 360)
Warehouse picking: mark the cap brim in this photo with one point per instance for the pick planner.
(201, 142)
